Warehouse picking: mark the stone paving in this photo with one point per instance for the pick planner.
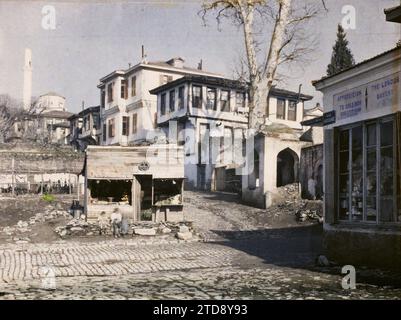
(118, 270)
(114, 258)
(216, 283)
(241, 260)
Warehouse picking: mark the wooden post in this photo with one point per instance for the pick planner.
(167, 213)
(41, 184)
(13, 177)
(69, 184)
(78, 188)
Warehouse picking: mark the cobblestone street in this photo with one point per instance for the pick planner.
(240, 259)
(180, 271)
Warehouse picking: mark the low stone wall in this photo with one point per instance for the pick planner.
(36, 159)
(31, 168)
(363, 247)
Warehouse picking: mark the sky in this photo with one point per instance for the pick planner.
(94, 38)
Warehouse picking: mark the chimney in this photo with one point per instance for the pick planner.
(143, 55)
(83, 105)
(176, 62)
(200, 65)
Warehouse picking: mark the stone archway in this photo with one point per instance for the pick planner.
(287, 167)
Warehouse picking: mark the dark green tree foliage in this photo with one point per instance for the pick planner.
(342, 57)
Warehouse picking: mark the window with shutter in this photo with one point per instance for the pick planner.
(225, 100)
(125, 126)
(134, 123)
(163, 104)
(172, 100)
(239, 100)
(181, 97)
(211, 99)
(292, 111)
(111, 128)
(110, 92)
(197, 97)
(280, 112)
(124, 90)
(133, 86)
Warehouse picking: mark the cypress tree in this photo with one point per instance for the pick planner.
(341, 57)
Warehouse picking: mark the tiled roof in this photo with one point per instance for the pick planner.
(164, 64)
(227, 83)
(158, 64)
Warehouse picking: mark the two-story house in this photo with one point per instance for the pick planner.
(85, 128)
(209, 116)
(128, 110)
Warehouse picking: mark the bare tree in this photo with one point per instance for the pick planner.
(17, 121)
(9, 110)
(274, 34)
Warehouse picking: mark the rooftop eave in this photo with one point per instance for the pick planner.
(112, 75)
(393, 14)
(360, 68)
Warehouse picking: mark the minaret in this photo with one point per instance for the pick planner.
(27, 79)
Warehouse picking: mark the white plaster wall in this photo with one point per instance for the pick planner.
(268, 152)
(373, 71)
(143, 103)
(292, 124)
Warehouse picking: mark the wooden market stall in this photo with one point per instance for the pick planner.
(144, 182)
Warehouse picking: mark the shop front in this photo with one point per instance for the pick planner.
(362, 163)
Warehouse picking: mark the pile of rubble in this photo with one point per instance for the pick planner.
(80, 228)
(310, 210)
(23, 227)
(289, 200)
(76, 227)
(313, 215)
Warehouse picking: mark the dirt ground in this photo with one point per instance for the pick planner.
(217, 213)
(214, 215)
(22, 208)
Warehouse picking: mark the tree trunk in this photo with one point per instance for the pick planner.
(262, 87)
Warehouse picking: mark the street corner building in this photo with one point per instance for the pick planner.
(144, 182)
(362, 174)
